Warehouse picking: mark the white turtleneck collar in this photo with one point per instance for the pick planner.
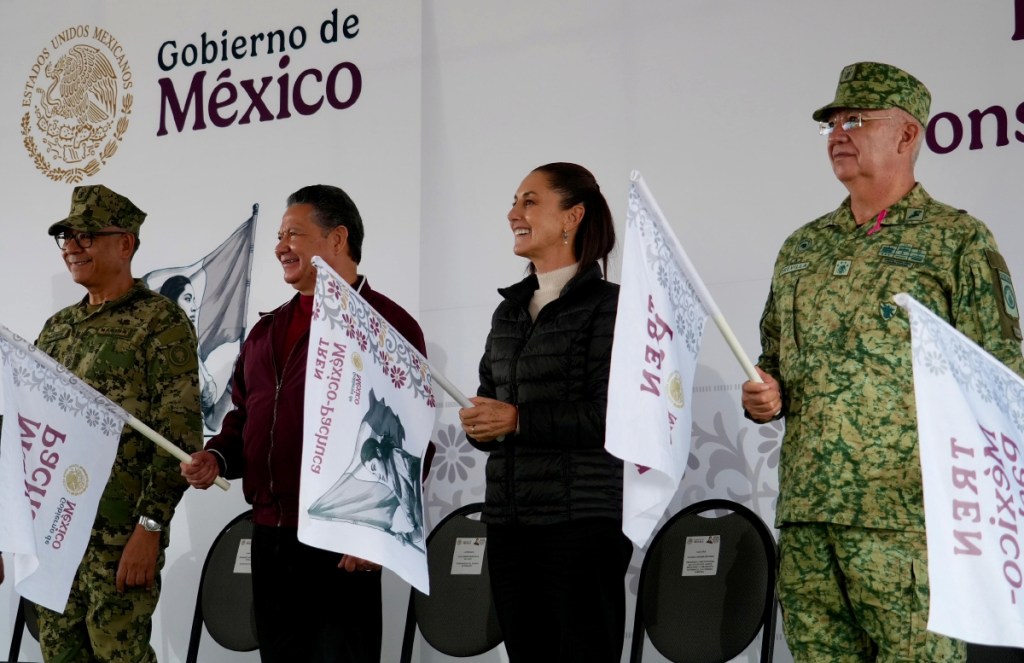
(550, 287)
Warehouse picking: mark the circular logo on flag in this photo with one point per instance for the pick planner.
(76, 479)
(675, 389)
(357, 361)
(78, 102)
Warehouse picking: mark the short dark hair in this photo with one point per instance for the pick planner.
(370, 450)
(174, 286)
(333, 208)
(595, 236)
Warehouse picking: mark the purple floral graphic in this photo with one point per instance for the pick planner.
(398, 376)
(374, 336)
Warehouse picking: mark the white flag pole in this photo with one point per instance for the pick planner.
(453, 391)
(698, 283)
(170, 447)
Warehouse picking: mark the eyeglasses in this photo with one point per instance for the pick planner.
(85, 239)
(852, 121)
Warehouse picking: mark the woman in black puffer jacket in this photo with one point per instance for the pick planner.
(553, 506)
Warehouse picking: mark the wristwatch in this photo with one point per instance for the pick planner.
(149, 524)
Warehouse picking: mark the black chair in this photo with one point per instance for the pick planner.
(458, 618)
(25, 618)
(224, 601)
(987, 654)
(708, 618)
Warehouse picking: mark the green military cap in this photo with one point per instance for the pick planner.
(95, 207)
(875, 86)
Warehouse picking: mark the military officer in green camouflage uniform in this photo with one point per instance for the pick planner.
(836, 363)
(139, 349)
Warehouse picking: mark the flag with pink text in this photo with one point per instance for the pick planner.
(970, 422)
(368, 415)
(658, 333)
(58, 443)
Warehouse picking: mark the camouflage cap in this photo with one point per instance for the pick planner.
(95, 207)
(872, 85)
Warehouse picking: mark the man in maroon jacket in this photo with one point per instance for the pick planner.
(310, 606)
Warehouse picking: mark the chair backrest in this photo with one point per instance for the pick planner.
(458, 617)
(987, 654)
(224, 601)
(26, 618)
(707, 606)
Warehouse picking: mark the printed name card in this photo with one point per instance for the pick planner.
(243, 559)
(468, 559)
(700, 557)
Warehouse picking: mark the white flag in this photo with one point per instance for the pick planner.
(58, 444)
(970, 422)
(369, 413)
(658, 332)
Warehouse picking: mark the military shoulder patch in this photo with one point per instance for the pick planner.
(1003, 286)
(1009, 297)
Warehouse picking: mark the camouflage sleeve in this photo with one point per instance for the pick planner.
(173, 376)
(985, 304)
(770, 331)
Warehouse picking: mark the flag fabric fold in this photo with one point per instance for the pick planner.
(970, 419)
(369, 414)
(219, 284)
(58, 444)
(658, 332)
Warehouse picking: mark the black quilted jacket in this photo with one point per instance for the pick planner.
(555, 370)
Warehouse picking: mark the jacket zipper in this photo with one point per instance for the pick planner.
(273, 423)
(511, 454)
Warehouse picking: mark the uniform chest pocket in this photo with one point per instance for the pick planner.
(112, 352)
(879, 321)
(799, 307)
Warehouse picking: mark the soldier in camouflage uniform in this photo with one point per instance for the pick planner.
(139, 349)
(836, 363)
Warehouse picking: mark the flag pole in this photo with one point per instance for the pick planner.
(453, 391)
(132, 421)
(169, 447)
(698, 283)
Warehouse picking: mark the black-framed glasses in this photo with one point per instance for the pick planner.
(83, 239)
(848, 122)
